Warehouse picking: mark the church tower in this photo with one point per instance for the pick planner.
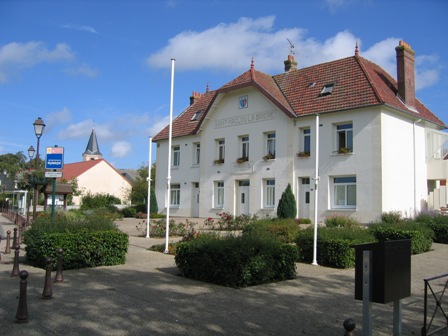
(92, 151)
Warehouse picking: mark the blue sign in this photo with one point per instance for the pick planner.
(54, 158)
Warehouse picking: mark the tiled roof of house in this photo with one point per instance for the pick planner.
(73, 170)
(357, 81)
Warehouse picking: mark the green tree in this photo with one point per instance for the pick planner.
(13, 163)
(139, 193)
(287, 205)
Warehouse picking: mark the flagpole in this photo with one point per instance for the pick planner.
(168, 178)
(316, 183)
(148, 209)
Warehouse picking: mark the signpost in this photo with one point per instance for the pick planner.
(54, 160)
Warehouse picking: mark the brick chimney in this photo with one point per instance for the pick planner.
(194, 97)
(290, 64)
(406, 73)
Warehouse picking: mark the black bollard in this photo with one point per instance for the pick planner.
(59, 276)
(8, 242)
(22, 309)
(15, 268)
(14, 241)
(349, 326)
(48, 290)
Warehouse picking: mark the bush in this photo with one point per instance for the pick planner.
(287, 205)
(236, 261)
(303, 221)
(334, 245)
(421, 235)
(100, 200)
(285, 230)
(342, 222)
(87, 241)
(129, 212)
(391, 217)
(228, 222)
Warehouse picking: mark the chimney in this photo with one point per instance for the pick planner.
(194, 97)
(290, 64)
(406, 73)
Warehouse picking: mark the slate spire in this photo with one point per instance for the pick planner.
(92, 151)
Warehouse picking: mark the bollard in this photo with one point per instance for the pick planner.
(14, 241)
(48, 290)
(15, 268)
(8, 242)
(349, 326)
(0, 247)
(59, 276)
(22, 309)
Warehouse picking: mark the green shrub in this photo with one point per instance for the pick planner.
(229, 222)
(158, 228)
(236, 261)
(342, 222)
(86, 241)
(303, 221)
(287, 207)
(334, 245)
(285, 230)
(129, 212)
(440, 232)
(99, 200)
(391, 217)
(421, 235)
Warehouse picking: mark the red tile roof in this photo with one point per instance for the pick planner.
(358, 83)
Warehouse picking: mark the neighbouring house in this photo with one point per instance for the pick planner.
(349, 138)
(95, 175)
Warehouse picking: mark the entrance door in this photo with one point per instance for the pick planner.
(304, 197)
(243, 197)
(195, 200)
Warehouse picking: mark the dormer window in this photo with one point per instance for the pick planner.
(327, 90)
(196, 116)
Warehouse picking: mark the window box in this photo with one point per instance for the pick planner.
(303, 154)
(218, 161)
(242, 159)
(269, 156)
(345, 150)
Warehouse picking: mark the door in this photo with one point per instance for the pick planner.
(195, 200)
(304, 197)
(243, 197)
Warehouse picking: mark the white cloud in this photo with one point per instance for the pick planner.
(121, 149)
(15, 56)
(82, 70)
(57, 118)
(158, 125)
(230, 47)
(81, 28)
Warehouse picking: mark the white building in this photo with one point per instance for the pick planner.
(237, 148)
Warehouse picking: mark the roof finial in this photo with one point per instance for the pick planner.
(356, 49)
(207, 89)
(252, 69)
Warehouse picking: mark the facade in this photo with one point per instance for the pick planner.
(349, 138)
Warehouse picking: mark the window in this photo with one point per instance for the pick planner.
(270, 145)
(245, 147)
(196, 153)
(221, 150)
(269, 193)
(176, 156)
(304, 143)
(196, 116)
(175, 195)
(327, 89)
(344, 134)
(219, 194)
(344, 192)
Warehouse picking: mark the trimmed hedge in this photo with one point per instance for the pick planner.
(334, 245)
(285, 230)
(236, 262)
(421, 235)
(440, 232)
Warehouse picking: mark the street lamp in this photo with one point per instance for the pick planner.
(39, 126)
(31, 152)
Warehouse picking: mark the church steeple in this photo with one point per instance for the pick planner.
(92, 151)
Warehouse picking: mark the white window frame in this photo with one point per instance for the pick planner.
(344, 136)
(175, 160)
(343, 192)
(269, 193)
(175, 195)
(218, 197)
(221, 149)
(271, 143)
(305, 141)
(245, 146)
(196, 153)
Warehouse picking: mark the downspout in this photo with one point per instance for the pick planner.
(316, 182)
(415, 166)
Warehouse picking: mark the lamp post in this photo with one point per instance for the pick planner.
(39, 126)
(31, 152)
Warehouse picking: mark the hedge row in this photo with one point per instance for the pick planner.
(236, 262)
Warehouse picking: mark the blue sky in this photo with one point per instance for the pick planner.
(107, 64)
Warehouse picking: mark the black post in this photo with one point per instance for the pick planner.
(8, 242)
(349, 326)
(59, 276)
(15, 269)
(22, 309)
(48, 290)
(14, 241)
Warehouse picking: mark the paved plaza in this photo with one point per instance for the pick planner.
(147, 296)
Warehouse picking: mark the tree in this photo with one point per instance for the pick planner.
(287, 205)
(139, 193)
(13, 163)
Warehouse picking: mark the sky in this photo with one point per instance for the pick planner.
(84, 64)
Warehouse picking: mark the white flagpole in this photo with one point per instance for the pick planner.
(168, 178)
(148, 210)
(316, 183)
